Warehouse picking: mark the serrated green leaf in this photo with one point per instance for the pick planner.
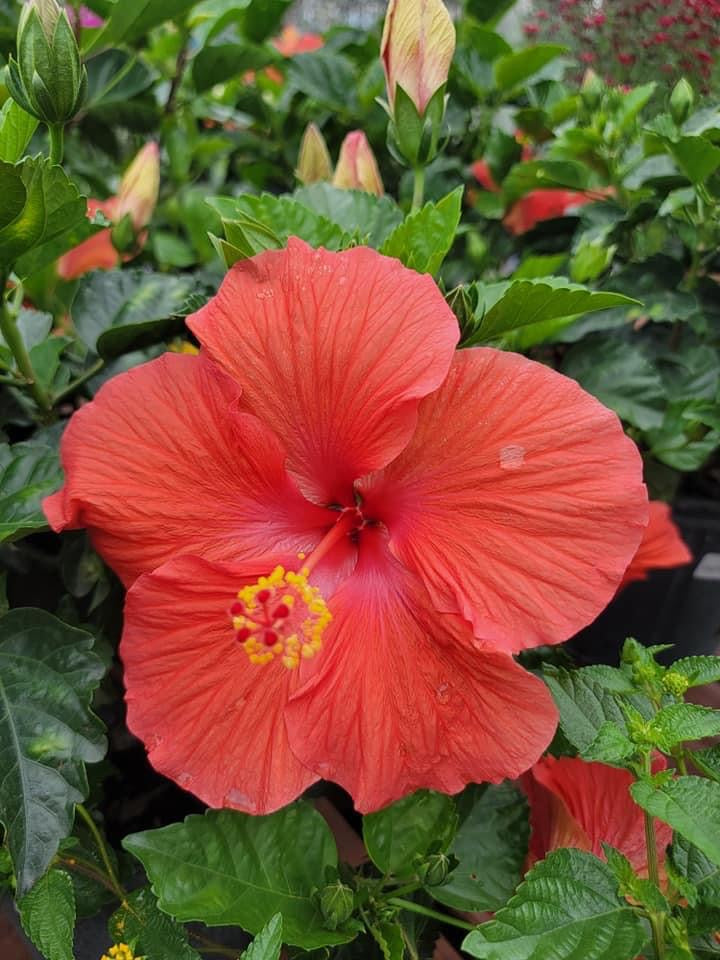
(29, 472)
(370, 219)
(708, 761)
(698, 670)
(48, 732)
(697, 157)
(397, 836)
(16, 129)
(514, 68)
(268, 943)
(233, 868)
(423, 239)
(701, 872)
(150, 932)
(610, 745)
(47, 913)
(583, 703)
(490, 847)
(567, 908)
(117, 311)
(691, 805)
(389, 937)
(683, 721)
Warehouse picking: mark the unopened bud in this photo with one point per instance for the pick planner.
(592, 90)
(140, 186)
(314, 161)
(357, 168)
(436, 869)
(675, 683)
(682, 99)
(337, 902)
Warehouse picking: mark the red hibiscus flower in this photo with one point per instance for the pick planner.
(335, 529)
(662, 546)
(540, 205)
(583, 805)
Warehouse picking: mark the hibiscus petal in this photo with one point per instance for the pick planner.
(211, 720)
(519, 500)
(334, 350)
(162, 463)
(662, 546)
(403, 698)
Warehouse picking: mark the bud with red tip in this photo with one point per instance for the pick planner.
(357, 168)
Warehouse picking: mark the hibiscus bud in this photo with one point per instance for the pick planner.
(140, 186)
(47, 80)
(681, 101)
(435, 869)
(314, 161)
(337, 902)
(417, 48)
(357, 168)
(592, 90)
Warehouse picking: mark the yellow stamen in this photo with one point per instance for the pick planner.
(120, 951)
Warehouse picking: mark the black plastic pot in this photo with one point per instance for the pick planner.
(680, 606)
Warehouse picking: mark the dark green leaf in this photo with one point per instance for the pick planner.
(16, 129)
(216, 63)
(567, 908)
(268, 943)
(487, 11)
(423, 239)
(326, 77)
(491, 847)
(389, 937)
(140, 923)
(232, 868)
(535, 174)
(29, 472)
(583, 703)
(47, 913)
(114, 77)
(514, 68)
(403, 833)
(708, 761)
(369, 218)
(47, 675)
(691, 805)
(130, 20)
(610, 745)
(701, 872)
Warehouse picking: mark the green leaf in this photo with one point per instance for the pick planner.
(328, 78)
(539, 266)
(423, 239)
(117, 311)
(584, 704)
(610, 745)
(490, 847)
(622, 377)
(698, 670)
(514, 68)
(47, 913)
(708, 761)
(697, 157)
(268, 943)
(219, 62)
(683, 721)
(114, 77)
(141, 924)
(516, 304)
(16, 129)
(47, 676)
(702, 873)
(130, 20)
(232, 868)
(567, 908)
(29, 472)
(400, 835)
(534, 174)
(691, 805)
(488, 11)
(369, 218)
(389, 937)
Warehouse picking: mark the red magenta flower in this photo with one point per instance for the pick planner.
(662, 546)
(546, 204)
(583, 805)
(336, 529)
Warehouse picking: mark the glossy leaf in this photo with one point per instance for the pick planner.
(369, 218)
(151, 932)
(29, 471)
(233, 868)
(402, 834)
(16, 129)
(691, 805)
(130, 20)
(423, 239)
(490, 847)
(708, 761)
(47, 676)
(568, 907)
(537, 174)
(326, 77)
(697, 157)
(268, 943)
(514, 68)
(47, 913)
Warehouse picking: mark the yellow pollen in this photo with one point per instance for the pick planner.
(121, 951)
(281, 616)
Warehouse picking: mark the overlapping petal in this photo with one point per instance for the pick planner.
(211, 720)
(519, 500)
(403, 698)
(163, 463)
(662, 546)
(333, 351)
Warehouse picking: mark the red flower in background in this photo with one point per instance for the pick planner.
(336, 529)
(539, 205)
(578, 804)
(662, 546)
(292, 41)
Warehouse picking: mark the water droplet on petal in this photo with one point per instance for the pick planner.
(442, 693)
(512, 456)
(236, 798)
(185, 779)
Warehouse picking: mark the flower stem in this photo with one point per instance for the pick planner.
(102, 850)
(418, 188)
(413, 907)
(88, 870)
(11, 334)
(79, 381)
(657, 920)
(57, 142)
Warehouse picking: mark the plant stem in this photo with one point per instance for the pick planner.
(57, 142)
(209, 946)
(418, 188)
(413, 907)
(102, 850)
(180, 67)
(407, 888)
(79, 381)
(9, 329)
(657, 920)
(82, 866)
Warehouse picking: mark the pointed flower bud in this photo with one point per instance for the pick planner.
(337, 902)
(417, 47)
(140, 186)
(47, 79)
(314, 161)
(357, 168)
(682, 99)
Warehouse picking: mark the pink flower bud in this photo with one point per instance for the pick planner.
(140, 186)
(417, 48)
(357, 168)
(313, 160)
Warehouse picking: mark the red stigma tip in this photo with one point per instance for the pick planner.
(237, 609)
(242, 635)
(263, 596)
(281, 611)
(270, 638)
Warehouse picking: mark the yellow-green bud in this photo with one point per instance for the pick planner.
(337, 902)
(592, 90)
(681, 101)
(675, 683)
